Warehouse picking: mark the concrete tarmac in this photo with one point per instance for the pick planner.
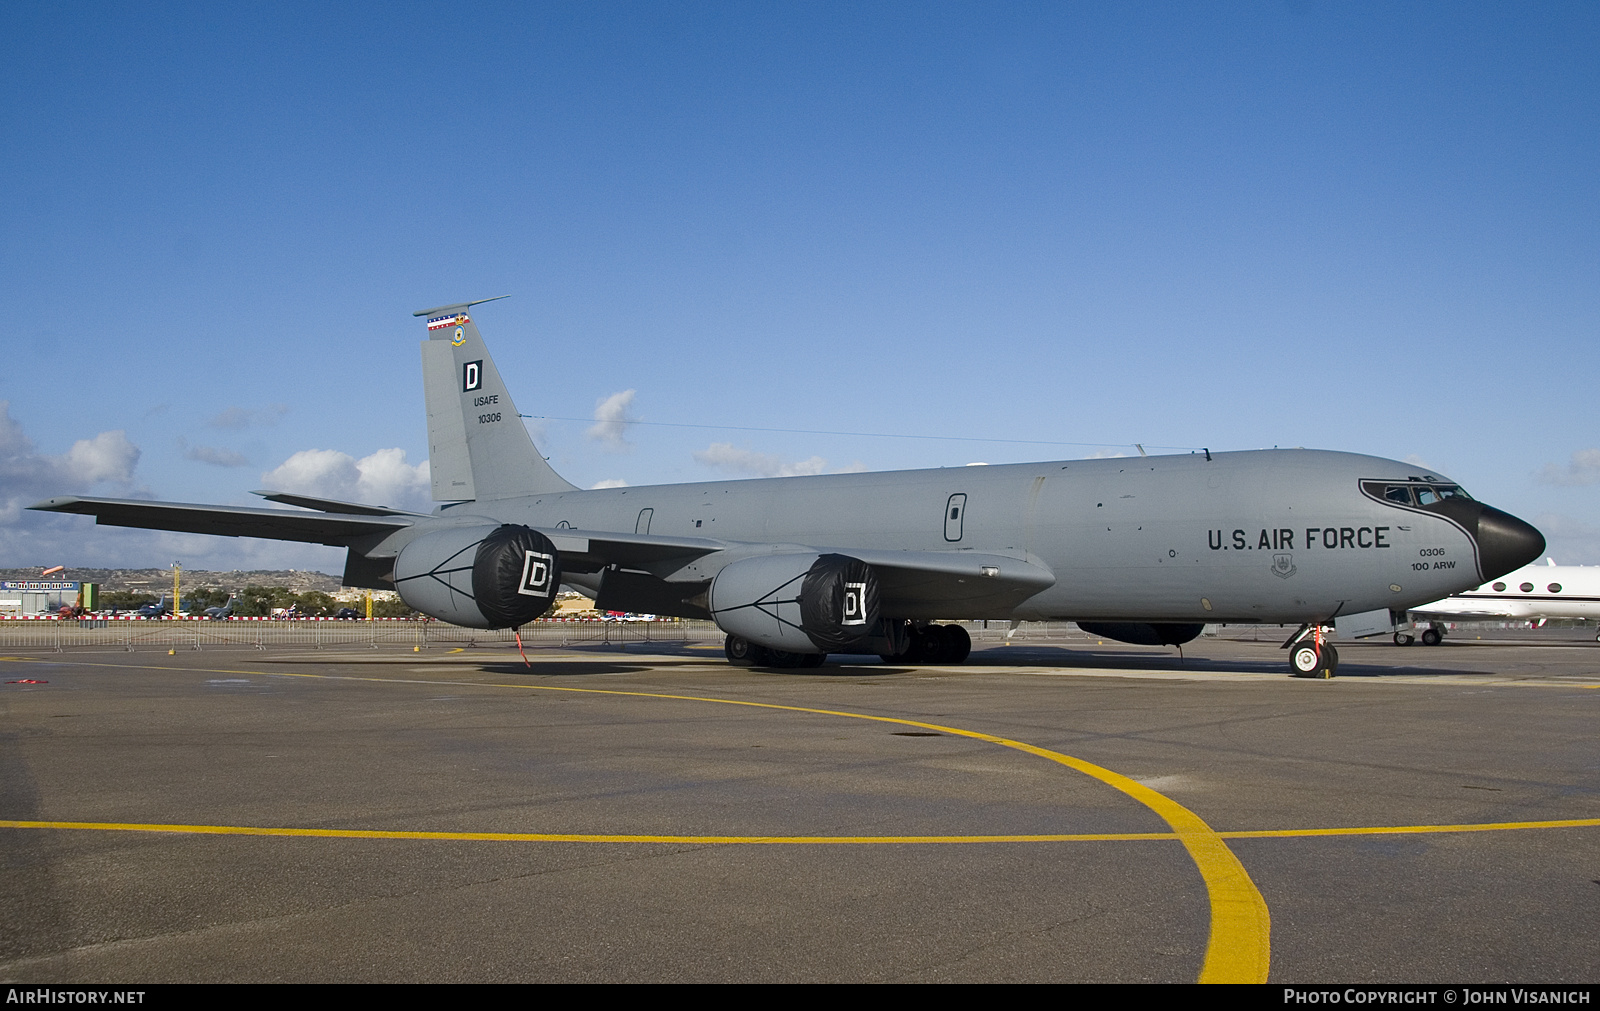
(665, 817)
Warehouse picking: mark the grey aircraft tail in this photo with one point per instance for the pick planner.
(478, 447)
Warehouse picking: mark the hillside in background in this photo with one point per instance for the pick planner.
(154, 580)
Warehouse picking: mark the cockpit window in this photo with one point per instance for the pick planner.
(1415, 492)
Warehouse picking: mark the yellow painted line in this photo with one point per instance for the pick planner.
(1497, 826)
(786, 840)
(1239, 950)
(1240, 946)
(697, 840)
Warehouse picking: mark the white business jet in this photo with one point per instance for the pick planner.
(1534, 592)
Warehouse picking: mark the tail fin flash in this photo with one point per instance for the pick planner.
(478, 447)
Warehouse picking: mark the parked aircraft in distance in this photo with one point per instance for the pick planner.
(1143, 550)
(155, 610)
(1534, 592)
(222, 611)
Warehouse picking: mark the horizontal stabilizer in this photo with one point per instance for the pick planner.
(440, 310)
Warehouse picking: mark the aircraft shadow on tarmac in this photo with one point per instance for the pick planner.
(1030, 656)
(567, 668)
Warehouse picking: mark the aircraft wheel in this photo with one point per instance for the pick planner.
(960, 643)
(1330, 662)
(931, 645)
(812, 659)
(1431, 637)
(738, 651)
(1403, 639)
(1306, 661)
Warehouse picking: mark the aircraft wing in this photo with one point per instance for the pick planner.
(942, 584)
(329, 505)
(593, 550)
(227, 521)
(911, 584)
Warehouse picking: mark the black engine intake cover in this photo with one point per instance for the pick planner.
(480, 577)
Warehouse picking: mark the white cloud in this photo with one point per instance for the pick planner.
(1584, 469)
(243, 417)
(102, 464)
(610, 482)
(382, 478)
(26, 476)
(213, 455)
(612, 420)
(726, 456)
(108, 456)
(1106, 454)
(105, 465)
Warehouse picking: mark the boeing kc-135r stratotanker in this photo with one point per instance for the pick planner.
(1142, 550)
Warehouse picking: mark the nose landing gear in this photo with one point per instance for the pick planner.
(1311, 655)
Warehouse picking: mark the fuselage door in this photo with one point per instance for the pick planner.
(642, 524)
(954, 516)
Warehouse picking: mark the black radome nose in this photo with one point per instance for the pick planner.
(1505, 543)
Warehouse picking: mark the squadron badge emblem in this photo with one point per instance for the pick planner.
(1283, 566)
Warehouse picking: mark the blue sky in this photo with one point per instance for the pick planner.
(1370, 228)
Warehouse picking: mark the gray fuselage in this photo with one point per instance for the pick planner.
(1260, 536)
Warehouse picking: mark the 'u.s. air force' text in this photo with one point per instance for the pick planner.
(1283, 538)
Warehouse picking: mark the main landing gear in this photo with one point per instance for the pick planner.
(933, 644)
(744, 653)
(929, 644)
(1312, 656)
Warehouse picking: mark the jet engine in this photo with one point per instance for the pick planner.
(799, 603)
(1140, 633)
(480, 577)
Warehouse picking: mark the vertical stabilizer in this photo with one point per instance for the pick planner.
(478, 447)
